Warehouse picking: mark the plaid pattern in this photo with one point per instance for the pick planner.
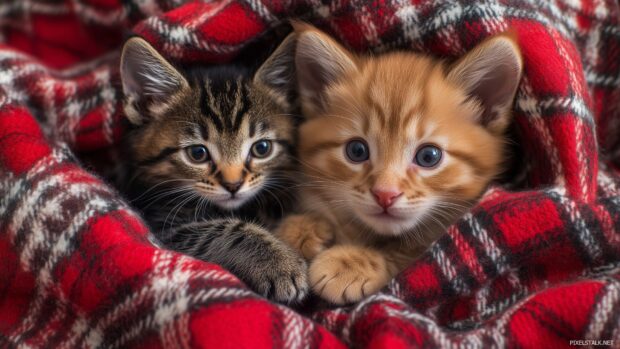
(536, 267)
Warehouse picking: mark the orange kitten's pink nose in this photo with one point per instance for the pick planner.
(386, 198)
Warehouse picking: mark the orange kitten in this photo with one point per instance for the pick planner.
(395, 148)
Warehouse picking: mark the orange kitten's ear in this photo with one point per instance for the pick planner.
(148, 79)
(278, 71)
(491, 73)
(320, 61)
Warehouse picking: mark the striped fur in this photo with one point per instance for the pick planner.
(219, 209)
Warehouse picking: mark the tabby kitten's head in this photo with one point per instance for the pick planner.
(219, 131)
(401, 141)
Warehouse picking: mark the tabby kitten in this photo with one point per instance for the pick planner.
(396, 147)
(209, 151)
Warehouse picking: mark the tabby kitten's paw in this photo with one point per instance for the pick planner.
(346, 274)
(306, 233)
(282, 279)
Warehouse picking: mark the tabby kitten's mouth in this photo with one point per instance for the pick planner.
(231, 201)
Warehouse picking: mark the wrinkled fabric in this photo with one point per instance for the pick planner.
(532, 265)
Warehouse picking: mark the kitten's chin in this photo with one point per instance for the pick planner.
(231, 204)
(388, 225)
(394, 221)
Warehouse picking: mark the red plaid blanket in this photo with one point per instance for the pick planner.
(534, 267)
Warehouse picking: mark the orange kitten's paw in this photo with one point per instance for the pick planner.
(307, 233)
(346, 274)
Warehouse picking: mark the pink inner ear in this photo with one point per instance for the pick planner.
(495, 91)
(319, 62)
(490, 73)
(313, 78)
(130, 84)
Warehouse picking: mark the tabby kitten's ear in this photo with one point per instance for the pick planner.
(278, 72)
(320, 62)
(490, 73)
(148, 79)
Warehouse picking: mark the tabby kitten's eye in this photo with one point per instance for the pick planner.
(428, 156)
(261, 149)
(197, 153)
(357, 150)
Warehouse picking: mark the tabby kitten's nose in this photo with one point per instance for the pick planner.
(232, 187)
(386, 198)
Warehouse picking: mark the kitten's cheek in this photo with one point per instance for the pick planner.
(421, 172)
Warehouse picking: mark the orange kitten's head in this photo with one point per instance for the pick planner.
(400, 141)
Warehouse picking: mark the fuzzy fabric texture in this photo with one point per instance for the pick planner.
(535, 265)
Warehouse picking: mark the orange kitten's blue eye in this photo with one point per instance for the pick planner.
(428, 156)
(261, 149)
(357, 150)
(198, 153)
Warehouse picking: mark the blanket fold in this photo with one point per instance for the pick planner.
(536, 265)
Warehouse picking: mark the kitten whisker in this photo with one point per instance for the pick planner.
(151, 188)
(160, 195)
(186, 196)
(268, 191)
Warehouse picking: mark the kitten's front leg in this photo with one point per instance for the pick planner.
(346, 273)
(307, 233)
(265, 263)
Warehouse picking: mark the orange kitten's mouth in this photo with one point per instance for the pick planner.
(389, 215)
(385, 222)
(391, 221)
(386, 215)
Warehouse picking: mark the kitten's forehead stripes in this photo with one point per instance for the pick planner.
(204, 132)
(225, 104)
(242, 105)
(207, 110)
(234, 119)
(378, 108)
(252, 128)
